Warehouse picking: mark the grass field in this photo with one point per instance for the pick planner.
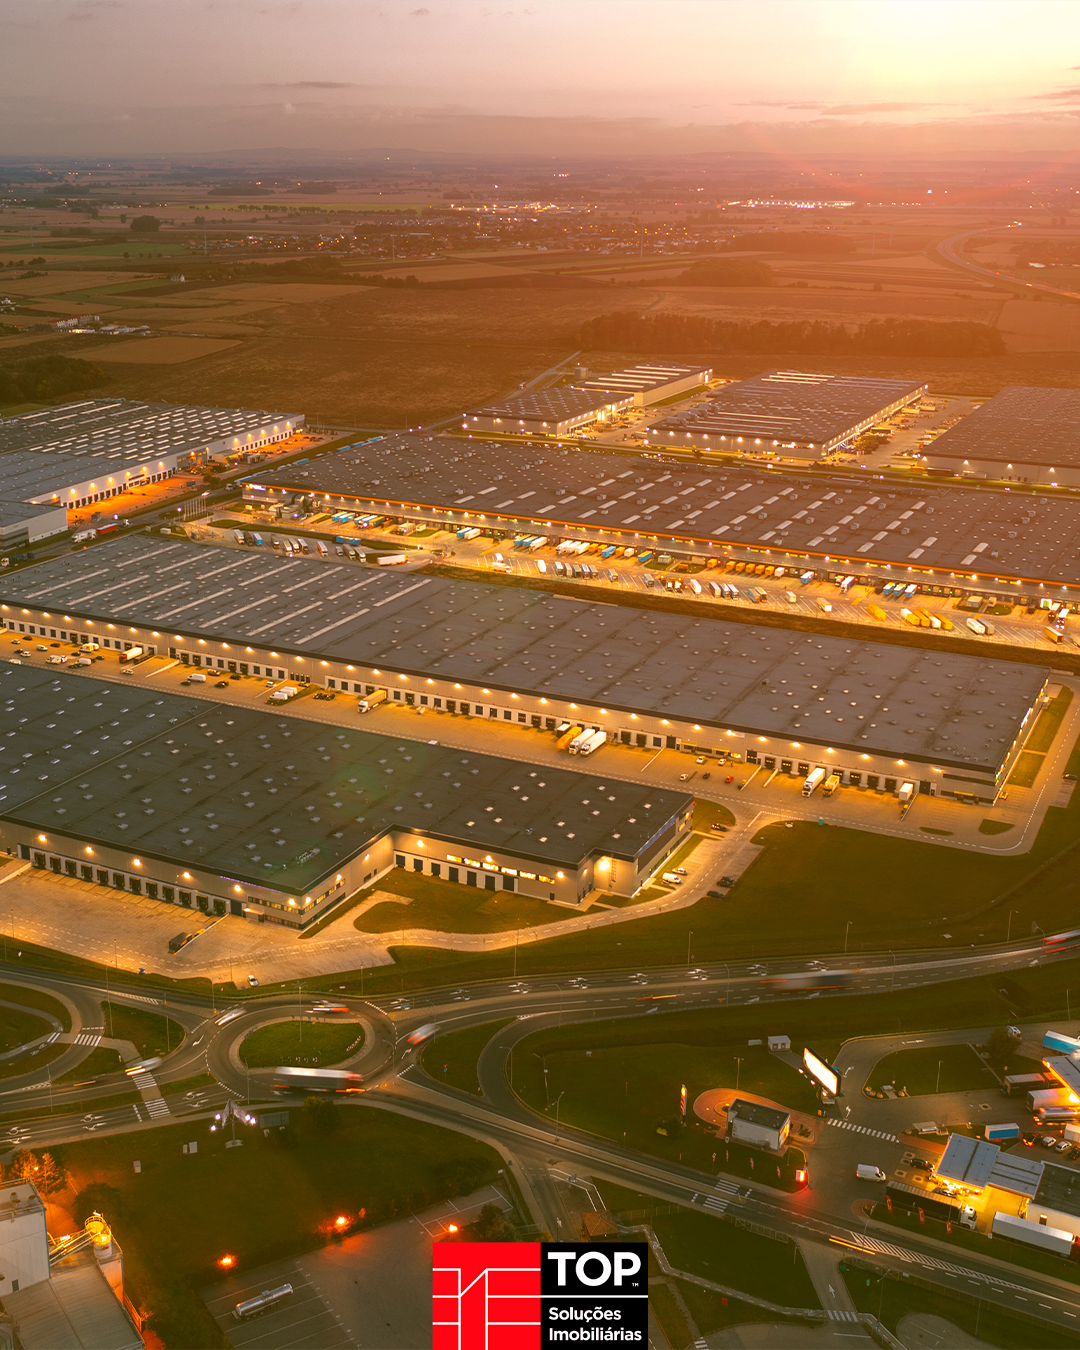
(702, 1245)
(64, 1106)
(34, 998)
(452, 1057)
(34, 1062)
(1048, 723)
(100, 1061)
(192, 1084)
(621, 1079)
(300, 1043)
(916, 1071)
(19, 1027)
(220, 1201)
(448, 908)
(150, 1033)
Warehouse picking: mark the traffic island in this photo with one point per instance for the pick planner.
(301, 1042)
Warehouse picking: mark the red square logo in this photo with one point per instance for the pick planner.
(486, 1296)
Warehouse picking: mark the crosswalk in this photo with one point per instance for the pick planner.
(863, 1129)
(842, 1315)
(91, 1037)
(723, 1194)
(907, 1254)
(144, 1081)
(157, 1107)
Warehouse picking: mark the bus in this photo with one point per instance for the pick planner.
(287, 1079)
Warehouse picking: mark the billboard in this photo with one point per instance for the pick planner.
(819, 1070)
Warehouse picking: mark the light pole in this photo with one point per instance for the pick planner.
(846, 931)
(213, 1007)
(937, 1082)
(558, 1099)
(892, 970)
(300, 1006)
(738, 1071)
(689, 937)
(1008, 932)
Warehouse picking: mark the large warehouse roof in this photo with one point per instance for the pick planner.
(646, 378)
(1021, 425)
(269, 800)
(950, 529)
(869, 697)
(44, 453)
(546, 406)
(124, 430)
(789, 406)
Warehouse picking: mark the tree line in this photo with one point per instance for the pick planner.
(673, 333)
(46, 377)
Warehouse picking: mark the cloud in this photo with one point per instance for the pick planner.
(1060, 95)
(842, 109)
(420, 13)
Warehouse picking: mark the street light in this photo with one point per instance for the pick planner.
(558, 1099)
(1008, 932)
(738, 1071)
(689, 936)
(846, 930)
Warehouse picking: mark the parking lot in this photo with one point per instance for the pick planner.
(369, 1290)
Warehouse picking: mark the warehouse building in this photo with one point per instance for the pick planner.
(939, 535)
(878, 715)
(786, 415)
(1022, 435)
(650, 382)
(547, 412)
(86, 452)
(226, 810)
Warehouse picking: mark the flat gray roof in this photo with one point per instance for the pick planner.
(544, 405)
(906, 702)
(276, 802)
(1020, 425)
(643, 378)
(75, 1309)
(48, 451)
(1059, 1188)
(788, 406)
(758, 1114)
(862, 521)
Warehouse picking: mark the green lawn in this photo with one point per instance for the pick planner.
(150, 1033)
(892, 1298)
(34, 1062)
(621, 1080)
(63, 1106)
(300, 1043)
(449, 908)
(916, 1069)
(274, 1197)
(18, 1027)
(36, 999)
(452, 1058)
(700, 1244)
(98, 1062)
(1026, 769)
(192, 1084)
(1048, 723)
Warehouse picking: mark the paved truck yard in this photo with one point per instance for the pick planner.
(1020, 545)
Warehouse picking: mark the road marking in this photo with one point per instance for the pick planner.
(863, 1129)
(842, 1315)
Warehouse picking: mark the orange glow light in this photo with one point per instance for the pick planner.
(226, 1262)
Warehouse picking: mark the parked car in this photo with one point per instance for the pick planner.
(222, 684)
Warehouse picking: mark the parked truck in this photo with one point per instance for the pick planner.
(1024, 1082)
(998, 1134)
(1031, 1234)
(906, 793)
(282, 695)
(370, 701)
(567, 736)
(813, 782)
(831, 784)
(913, 1198)
(580, 740)
(595, 741)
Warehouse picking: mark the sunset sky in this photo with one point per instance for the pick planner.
(552, 76)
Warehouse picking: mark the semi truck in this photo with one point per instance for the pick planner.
(906, 793)
(913, 1198)
(1031, 1234)
(813, 782)
(1050, 1099)
(370, 701)
(831, 784)
(391, 559)
(579, 741)
(1024, 1082)
(567, 736)
(595, 741)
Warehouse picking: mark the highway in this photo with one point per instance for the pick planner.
(551, 1162)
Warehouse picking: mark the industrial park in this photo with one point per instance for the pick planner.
(540, 678)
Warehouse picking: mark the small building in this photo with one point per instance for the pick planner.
(24, 1242)
(1056, 1202)
(650, 382)
(547, 412)
(757, 1125)
(976, 1164)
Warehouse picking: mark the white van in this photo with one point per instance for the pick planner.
(868, 1172)
(197, 677)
